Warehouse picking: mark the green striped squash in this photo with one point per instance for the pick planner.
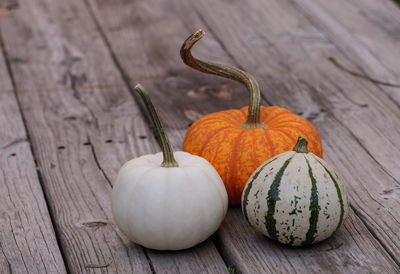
(295, 198)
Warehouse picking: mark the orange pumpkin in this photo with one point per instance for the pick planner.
(236, 142)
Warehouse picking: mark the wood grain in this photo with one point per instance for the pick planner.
(193, 260)
(27, 239)
(294, 72)
(84, 126)
(345, 252)
(278, 72)
(366, 32)
(149, 54)
(74, 62)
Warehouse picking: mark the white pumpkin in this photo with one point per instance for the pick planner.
(168, 201)
(295, 198)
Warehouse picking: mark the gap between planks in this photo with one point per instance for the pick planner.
(359, 68)
(371, 231)
(123, 73)
(220, 41)
(31, 149)
(142, 108)
(363, 147)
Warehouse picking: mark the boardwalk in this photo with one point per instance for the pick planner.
(69, 120)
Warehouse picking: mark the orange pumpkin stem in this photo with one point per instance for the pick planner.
(253, 117)
(168, 153)
(301, 145)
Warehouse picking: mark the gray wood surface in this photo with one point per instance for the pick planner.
(84, 126)
(366, 31)
(357, 122)
(350, 250)
(279, 72)
(74, 64)
(145, 37)
(27, 239)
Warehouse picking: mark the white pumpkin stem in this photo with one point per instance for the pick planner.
(253, 117)
(168, 153)
(301, 145)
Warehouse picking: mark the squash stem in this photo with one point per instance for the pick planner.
(168, 153)
(301, 145)
(253, 117)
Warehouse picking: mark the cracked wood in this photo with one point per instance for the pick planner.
(27, 239)
(82, 135)
(290, 59)
(366, 31)
(357, 123)
(68, 59)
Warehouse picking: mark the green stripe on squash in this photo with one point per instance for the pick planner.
(310, 226)
(339, 193)
(245, 201)
(272, 198)
(314, 208)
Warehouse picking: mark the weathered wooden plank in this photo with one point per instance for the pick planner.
(345, 252)
(84, 126)
(367, 32)
(139, 33)
(27, 239)
(143, 28)
(296, 59)
(193, 260)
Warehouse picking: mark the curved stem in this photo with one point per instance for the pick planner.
(301, 145)
(253, 117)
(168, 153)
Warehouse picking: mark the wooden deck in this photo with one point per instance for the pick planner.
(69, 120)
